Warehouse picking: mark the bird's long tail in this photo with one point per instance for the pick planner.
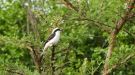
(44, 49)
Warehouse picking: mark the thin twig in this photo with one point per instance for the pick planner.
(99, 24)
(96, 69)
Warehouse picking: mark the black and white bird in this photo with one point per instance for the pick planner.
(53, 39)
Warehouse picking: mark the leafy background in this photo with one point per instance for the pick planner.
(84, 41)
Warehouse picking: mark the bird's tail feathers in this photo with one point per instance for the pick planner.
(45, 48)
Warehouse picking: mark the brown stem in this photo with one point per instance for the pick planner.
(109, 53)
(69, 5)
(36, 58)
(113, 35)
(53, 60)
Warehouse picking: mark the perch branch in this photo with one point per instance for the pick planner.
(53, 60)
(69, 5)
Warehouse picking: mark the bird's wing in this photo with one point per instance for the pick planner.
(50, 37)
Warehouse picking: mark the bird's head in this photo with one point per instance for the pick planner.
(56, 30)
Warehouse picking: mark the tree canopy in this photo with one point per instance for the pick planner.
(98, 37)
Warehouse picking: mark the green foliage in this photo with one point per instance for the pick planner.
(85, 40)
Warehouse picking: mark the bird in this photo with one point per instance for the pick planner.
(53, 39)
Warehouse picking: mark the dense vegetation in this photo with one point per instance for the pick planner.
(98, 37)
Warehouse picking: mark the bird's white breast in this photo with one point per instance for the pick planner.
(53, 41)
(56, 38)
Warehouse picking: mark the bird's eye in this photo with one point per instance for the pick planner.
(61, 30)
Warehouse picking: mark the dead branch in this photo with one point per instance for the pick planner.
(113, 35)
